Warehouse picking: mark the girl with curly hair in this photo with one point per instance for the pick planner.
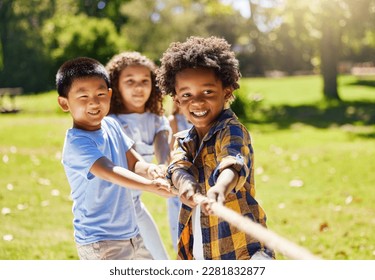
(136, 104)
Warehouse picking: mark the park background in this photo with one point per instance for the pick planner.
(307, 97)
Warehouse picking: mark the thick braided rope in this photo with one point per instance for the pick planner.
(264, 235)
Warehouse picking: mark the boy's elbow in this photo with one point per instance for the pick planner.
(102, 168)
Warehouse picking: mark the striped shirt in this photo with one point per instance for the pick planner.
(227, 144)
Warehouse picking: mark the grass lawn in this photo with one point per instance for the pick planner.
(314, 170)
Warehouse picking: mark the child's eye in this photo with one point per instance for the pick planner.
(102, 94)
(207, 91)
(129, 82)
(186, 95)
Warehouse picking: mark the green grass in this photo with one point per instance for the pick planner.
(328, 149)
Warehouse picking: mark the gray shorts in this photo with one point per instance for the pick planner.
(132, 249)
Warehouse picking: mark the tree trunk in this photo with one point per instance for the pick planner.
(254, 37)
(329, 60)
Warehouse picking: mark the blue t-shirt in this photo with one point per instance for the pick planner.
(102, 210)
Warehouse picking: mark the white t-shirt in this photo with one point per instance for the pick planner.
(142, 129)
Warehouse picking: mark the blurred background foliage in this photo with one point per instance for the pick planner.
(270, 37)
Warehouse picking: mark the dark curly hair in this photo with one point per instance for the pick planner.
(118, 63)
(211, 52)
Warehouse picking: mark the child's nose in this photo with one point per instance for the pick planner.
(198, 101)
(95, 100)
(139, 86)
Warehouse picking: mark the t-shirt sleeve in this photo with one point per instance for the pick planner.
(79, 154)
(115, 124)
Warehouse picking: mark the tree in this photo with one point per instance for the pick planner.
(23, 61)
(65, 38)
(36, 38)
(153, 25)
(330, 22)
(109, 9)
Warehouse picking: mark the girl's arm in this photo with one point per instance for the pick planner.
(173, 124)
(162, 149)
(133, 158)
(138, 165)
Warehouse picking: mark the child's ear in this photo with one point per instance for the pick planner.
(110, 92)
(63, 103)
(228, 93)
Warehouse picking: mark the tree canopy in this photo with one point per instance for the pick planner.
(290, 36)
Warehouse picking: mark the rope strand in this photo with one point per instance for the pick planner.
(264, 235)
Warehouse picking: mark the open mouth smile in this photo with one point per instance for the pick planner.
(94, 113)
(199, 113)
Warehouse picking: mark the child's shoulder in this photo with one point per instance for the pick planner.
(232, 126)
(155, 116)
(110, 121)
(229, 119)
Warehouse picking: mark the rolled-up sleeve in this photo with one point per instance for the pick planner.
(235, 151)
(180, 160)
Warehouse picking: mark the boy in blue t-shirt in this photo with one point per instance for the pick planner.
(102, 167)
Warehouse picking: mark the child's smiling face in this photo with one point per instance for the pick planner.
(201, 97)
(88, 102)
(135, 86)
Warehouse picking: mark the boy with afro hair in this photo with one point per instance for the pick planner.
(215, 157)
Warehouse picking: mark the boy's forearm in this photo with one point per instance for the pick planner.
(227, 180)
(180, 177)
(131, 180)
(106, 170)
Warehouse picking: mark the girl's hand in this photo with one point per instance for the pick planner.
(157, 171)
(162, 188)
(164, 193)
(161, 184)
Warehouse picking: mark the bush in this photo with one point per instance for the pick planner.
(72, 36)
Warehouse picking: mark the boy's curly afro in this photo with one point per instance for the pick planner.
(211, 52)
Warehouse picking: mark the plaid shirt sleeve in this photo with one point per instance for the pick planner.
(235, 151)
(181, 158)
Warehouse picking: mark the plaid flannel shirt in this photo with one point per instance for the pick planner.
(227, 144)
